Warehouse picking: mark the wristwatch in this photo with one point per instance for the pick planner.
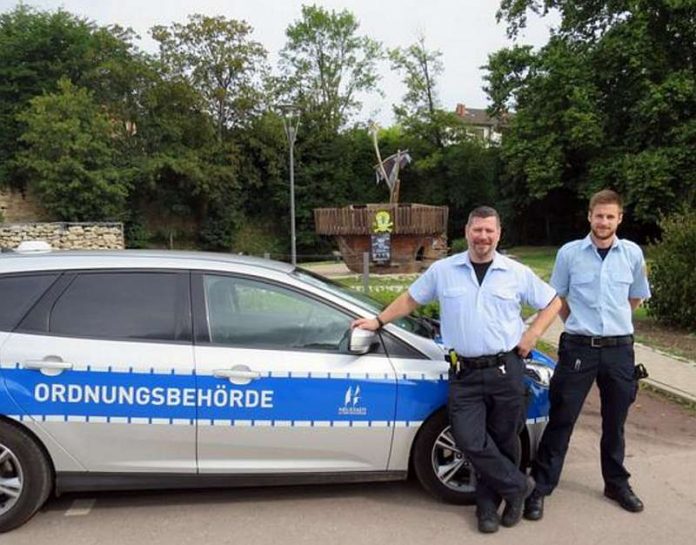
(380, 322)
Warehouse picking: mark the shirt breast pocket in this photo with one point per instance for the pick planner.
(584, 285)
(504, 302)
(453, 300)
(621, 284)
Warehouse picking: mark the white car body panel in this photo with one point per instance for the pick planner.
(118, 443)
(345, 432)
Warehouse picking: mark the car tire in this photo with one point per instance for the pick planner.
(439, 465)
(25, 476)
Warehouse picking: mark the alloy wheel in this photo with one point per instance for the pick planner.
(450, 465)
(11, 479)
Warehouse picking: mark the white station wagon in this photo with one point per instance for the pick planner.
(140, 369)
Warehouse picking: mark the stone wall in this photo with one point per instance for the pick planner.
(18, 207)
(64, 236)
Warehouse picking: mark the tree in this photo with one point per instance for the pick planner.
(326, 64)
(38, 48)
(218, 58)
(72, 156)
(608, 102)
(181, 169)
(451, 167)
(420, 68)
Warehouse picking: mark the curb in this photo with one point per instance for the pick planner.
(671, 390)
(656, 384)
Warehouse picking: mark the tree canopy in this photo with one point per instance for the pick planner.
(608, 102)
(326, 64)
(188, 142)
(72, 155)
(218, 58)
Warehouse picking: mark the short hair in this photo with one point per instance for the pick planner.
(484, 212)
(606, 196)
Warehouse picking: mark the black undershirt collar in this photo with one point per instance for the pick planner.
(480, 269)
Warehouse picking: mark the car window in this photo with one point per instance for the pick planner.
(18, 294)
(249, 313)
(123, 305)
(413, 324)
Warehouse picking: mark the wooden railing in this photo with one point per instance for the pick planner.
(408, 219)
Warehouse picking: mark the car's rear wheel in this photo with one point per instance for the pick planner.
(440, 466)
(25, 477)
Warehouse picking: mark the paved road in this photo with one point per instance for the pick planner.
(661, 454)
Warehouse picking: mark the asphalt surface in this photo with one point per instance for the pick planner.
(661, 453)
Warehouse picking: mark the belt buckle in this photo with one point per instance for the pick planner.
(595, 342)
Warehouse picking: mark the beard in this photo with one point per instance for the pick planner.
(482, 251)
(605, 234)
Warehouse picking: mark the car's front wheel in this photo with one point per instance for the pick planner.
(440, 466)
(25, 477)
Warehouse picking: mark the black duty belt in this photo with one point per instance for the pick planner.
(599, 342)
(481, 362)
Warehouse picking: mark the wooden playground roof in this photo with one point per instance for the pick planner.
(358, 219)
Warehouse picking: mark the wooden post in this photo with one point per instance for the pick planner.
(366, 272)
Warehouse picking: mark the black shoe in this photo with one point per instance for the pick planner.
(534, 506)
(514, 506)
(625, 497)
(488, 522)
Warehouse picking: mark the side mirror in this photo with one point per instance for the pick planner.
(360, 341)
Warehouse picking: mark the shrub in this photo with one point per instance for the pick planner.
(256, 237)
(673, 272)
(458, 245)
(137, 235)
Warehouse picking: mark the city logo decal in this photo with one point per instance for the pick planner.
(351, 403)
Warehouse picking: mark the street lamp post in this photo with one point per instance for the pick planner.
(290, 122)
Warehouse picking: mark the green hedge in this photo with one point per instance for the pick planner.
(673, 272)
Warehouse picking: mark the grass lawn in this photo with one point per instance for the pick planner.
(539, 258)
(673, 340)
(396, 283)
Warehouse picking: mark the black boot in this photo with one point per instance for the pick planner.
(514, 506)
(625, 497)
(534, 506)
(488, 521)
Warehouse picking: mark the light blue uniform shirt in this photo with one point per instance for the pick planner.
(597, 290)
(481, 320)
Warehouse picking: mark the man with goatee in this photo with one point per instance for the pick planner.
(481, 293)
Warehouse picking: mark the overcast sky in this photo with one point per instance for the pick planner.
(464, 30)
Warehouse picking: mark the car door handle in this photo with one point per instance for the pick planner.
(236, 373)
(48, 367)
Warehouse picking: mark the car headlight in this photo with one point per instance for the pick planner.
(538, 372)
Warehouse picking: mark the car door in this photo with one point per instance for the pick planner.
(104, 364)
(278, 391)
(18, 293)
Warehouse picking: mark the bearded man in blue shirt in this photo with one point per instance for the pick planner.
(480, 293)
(601, 279)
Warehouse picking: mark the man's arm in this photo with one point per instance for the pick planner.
(403, 305)
(635, 302)
(540, 324)
(565, 309)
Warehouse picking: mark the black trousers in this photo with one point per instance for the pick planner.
(578, 368)
(487, 410)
